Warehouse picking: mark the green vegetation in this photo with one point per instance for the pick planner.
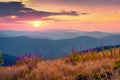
(1, 59)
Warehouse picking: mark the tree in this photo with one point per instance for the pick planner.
(1, 59)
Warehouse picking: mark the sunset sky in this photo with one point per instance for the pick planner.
(40, 15)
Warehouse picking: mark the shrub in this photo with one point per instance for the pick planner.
(111, 52)
(1, 59)
(103, 50)
(74, 57)
(93, 55)
(117, 65)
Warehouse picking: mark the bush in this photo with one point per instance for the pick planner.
(74, 57)
(111, 52)
(117, 65)
(1, 59)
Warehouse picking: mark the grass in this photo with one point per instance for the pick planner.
(92, 65)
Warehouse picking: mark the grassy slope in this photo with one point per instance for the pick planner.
(104, 65)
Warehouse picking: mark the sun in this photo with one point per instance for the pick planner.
(37, 24)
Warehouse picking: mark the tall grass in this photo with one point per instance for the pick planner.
(74, 57)
(92, 65)
(92, 54)
(30, 60)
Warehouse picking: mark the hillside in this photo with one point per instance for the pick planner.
(9, 60)
(104, 65)
(16, 46)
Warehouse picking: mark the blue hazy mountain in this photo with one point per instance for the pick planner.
(52, 48)
(53, 34)
(113, 39)
(9, 60)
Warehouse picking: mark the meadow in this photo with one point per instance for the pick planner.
(79, 65)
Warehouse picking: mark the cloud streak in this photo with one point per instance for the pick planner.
(17, 11)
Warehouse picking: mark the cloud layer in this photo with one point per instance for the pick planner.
(84, 2)
(17, 11)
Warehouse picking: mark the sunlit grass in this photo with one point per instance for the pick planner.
(91, 65)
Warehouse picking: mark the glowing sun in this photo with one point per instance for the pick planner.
(37, 23)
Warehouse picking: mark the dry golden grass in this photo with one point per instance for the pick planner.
(101, 66)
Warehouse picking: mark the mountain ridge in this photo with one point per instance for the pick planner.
(48, 48)
(54, 34)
